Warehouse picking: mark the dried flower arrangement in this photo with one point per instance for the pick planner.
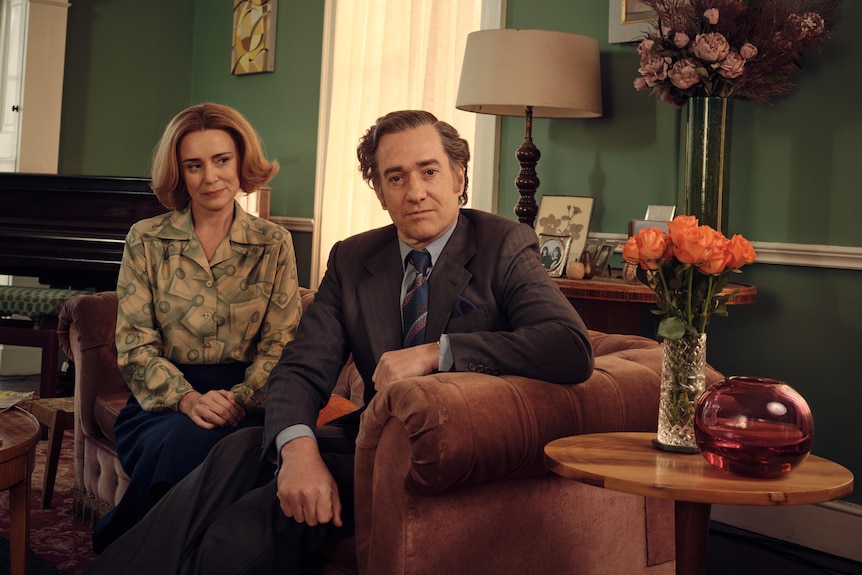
(744, 49)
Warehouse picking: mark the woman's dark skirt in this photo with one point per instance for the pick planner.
(158, 449)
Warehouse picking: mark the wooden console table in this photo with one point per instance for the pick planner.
(613, 305)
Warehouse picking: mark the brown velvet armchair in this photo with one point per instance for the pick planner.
(449, 467)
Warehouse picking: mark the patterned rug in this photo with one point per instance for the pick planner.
(56, 537)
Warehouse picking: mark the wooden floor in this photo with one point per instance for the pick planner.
(731, 551)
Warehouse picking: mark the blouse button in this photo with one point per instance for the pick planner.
(208, 315)
(209, 283)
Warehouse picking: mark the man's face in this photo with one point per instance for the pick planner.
(418, 186)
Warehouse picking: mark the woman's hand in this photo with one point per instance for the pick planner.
(216, 408)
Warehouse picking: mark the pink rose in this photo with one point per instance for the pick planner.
(654, 68)
(640, 83)
(645, 47)
(681, 40)
(684, 73)
(748, 51)
(711, 16)
(731, 67)
(711, 47)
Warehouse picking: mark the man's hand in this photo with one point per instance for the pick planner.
(306, 490)
(408, 362)
(216, 408)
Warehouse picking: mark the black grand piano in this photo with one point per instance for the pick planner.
(68, 232)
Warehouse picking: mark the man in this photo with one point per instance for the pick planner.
(491, 307)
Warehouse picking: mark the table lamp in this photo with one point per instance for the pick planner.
(541, 73)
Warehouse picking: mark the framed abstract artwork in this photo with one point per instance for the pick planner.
(253, 48)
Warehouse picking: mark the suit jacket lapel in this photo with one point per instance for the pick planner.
(379, 295)
(449, 277)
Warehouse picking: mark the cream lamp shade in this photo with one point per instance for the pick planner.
(556, 73)
(541, 73)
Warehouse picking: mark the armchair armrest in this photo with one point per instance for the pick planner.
(467, 428)
(86, 328)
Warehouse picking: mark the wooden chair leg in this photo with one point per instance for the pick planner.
(55, 440)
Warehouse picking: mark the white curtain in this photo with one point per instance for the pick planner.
(380, 56)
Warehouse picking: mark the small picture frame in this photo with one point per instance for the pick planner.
(566, 216)
(660, 213)
(603, 258)
(637, 225)
(592, 246)
(554, 252)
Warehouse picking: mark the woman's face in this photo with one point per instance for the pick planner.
(209, 164)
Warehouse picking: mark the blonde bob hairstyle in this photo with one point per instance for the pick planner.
(167, 180)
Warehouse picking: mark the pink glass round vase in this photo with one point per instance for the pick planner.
(753, 426)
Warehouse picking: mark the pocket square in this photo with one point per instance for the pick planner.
(463, 306)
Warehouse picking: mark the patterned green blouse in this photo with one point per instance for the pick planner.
(178, 308)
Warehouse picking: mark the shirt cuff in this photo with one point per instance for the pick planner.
(445, 361)
(288, 434)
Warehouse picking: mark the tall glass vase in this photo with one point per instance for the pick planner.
(707, 160)
(683, 376)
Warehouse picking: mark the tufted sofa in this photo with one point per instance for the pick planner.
(449, 467)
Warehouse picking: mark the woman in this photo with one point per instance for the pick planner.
(208, 297)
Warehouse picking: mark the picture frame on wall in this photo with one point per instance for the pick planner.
(629, 21)
(554, 250)
(566, 216)
(254, 32)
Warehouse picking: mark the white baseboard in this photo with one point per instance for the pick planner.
(834, 527)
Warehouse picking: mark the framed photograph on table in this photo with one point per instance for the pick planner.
(566, 216)
(554, 250)
(660, 213)
(603, 258)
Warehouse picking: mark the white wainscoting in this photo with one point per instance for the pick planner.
(807, 255)
(833, 527)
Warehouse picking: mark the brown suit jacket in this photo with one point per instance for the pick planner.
(488, 291)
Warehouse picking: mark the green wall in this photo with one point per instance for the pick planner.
(793, 179)
(129, 69)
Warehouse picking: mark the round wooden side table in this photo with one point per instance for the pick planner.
(19, 432)
(629, 463)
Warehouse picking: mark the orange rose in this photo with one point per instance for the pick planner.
(647, 248)
(716, 260)
(694, 245)
(679, 225)
(740, 252)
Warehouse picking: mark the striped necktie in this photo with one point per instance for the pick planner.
(414, 308)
